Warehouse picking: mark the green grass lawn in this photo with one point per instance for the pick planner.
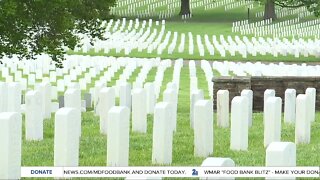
(93, 144)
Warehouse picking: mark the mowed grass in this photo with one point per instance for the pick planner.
(93, 144)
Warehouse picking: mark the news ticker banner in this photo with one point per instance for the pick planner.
(163, 171)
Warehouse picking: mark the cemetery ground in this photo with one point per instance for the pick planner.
(211, 22)
(93, 144)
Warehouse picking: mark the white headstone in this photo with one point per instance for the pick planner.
(66, 138)
(311, 94)
(203, 128)
(193, 84)
(60, 85)
(239, 123)
(74, 85)
(107, 100)
(139, 111)
(45, 91)
(54, 107)
(83, 84)
(3, 96)
(267, 94)
(196, 95)
(272, 123)
(223, 108)
(10, 142)
(169, 95)
(217, 162)
(118, 136)
(172, 85)
(303, 124)
(72, 99)
(14, 97)
(281, 154)
(162, 134)
(249, 94)
(54, 93)
(97, 89)
(53, 76)
(125, 95)
(290, 106)
(151, 97)
(33, 117)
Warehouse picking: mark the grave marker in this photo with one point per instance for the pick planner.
(267, 94)
(239, 124)
(10, 139)
(170, 96)
(106, 102)
(249, 94)
(203, 128)
(139, 111)
(66, 137)
(72, 99)
(45, 91)
(61, 101)
(3, 96)
(281, 154)
(151, 97)
(223, 108)
(118, 136)
(311, 94)
(195, 96)
(217, 162)
(303, 125)
(290, 106)
(162, 134)
(272, 124)
(125, 95)
(14, 97)
(88, 99)
(34, 119)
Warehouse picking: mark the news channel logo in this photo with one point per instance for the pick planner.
(194, 172)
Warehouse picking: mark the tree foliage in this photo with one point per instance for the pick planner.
(312, 5)
(31, 27)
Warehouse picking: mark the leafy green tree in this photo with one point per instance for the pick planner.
(270, 13)
(31, 27)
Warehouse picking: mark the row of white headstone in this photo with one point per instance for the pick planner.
(260, 69)
(298, 110)
(284, 12)
(67, 132)
(106, 76)
(66, 139)
(157, 41)
(292, 27)
(278, 154)
(114, 122)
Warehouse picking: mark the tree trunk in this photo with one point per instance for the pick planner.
(185, 7)
(270, 10)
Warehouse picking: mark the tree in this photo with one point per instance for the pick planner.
(312, 6)
(185, 7)
(270, 10)
(31, 27)
(270, 13)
